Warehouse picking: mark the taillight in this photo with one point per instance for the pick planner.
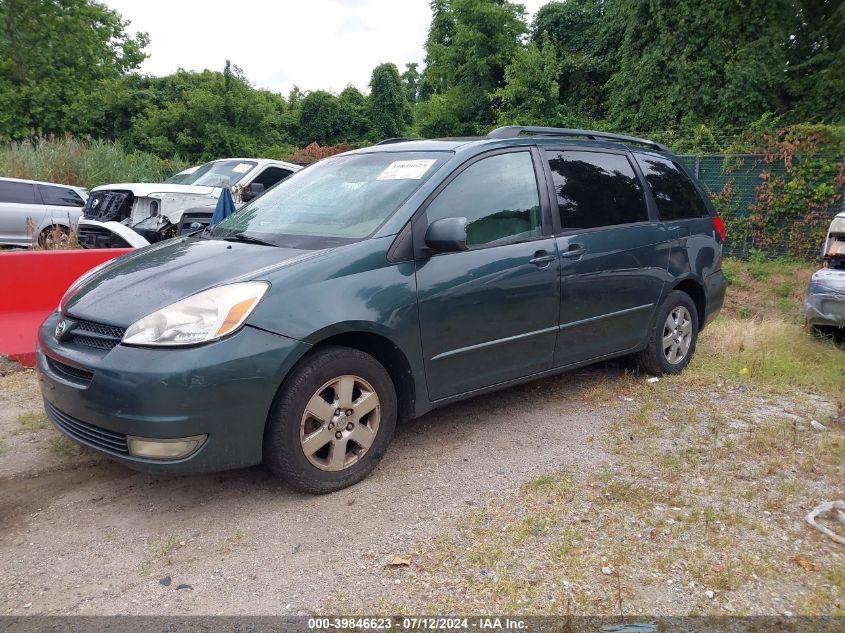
(719, 225)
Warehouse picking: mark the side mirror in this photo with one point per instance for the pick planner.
(447, 235)
(254, 190)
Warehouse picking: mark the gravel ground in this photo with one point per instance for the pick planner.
(81, 535)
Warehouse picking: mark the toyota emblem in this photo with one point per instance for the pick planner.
(61, 326)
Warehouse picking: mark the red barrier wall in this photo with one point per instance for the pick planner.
(31, 285)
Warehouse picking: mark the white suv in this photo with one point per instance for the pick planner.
(137, 214)
(46, 204)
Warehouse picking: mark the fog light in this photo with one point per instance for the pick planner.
(164, 449)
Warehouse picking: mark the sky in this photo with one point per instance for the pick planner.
(314, 44)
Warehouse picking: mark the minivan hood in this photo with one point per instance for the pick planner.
(143, 189)
(139, 283)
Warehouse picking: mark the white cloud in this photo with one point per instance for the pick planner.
(315, 44)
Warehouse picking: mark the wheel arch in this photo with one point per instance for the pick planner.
(695, 290)
(386, 352)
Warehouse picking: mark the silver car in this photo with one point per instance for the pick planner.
(47, 204)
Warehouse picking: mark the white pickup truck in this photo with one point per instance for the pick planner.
(137, 214)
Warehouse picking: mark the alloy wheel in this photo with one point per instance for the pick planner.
(340, 423)
(677, 335)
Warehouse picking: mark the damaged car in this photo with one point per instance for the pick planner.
(824, 305)
(138, 214)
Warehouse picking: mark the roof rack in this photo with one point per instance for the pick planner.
(398, 139)
(513, 131)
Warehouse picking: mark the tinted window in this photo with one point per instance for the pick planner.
(498, 197)
(595, 189)
(61, 196)
(271, 176)
(675, 195)
(20, 192)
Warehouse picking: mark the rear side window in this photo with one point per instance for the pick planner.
(271, 176)
(17, 192)
(676, 197)
(595, 189)
(60, 196)
(499, 198)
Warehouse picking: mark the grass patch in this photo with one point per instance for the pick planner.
(63, 447)
(34, 420)
(775, 352)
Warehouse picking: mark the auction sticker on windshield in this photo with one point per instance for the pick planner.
(406, 169)
(241, 168)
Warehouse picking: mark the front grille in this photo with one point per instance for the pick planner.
(107, 206)
(97, 335)
(76, 374)
(88, 433)
(191, 222)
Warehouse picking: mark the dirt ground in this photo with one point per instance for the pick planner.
(81, 535)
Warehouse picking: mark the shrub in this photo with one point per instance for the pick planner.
(72, 161)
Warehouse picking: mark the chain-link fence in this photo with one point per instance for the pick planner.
(737, 185)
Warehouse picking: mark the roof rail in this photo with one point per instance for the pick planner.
(398, 139)
(513, 131)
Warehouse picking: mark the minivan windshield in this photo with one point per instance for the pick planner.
(220, 173)
(334, 201)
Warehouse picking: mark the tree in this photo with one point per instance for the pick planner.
(389, 110)
(816, 70)
(353, 115)
(530, 94)
(683, 63)
(586, 35)
(318, 119)
(469, 45)
(54, 51)
(411, 79)
(209, 115)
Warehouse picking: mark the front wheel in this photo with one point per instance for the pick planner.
(673, 337)
(332, 421)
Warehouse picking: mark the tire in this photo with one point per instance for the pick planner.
(301, 444)
(48, 236)
(659, 359)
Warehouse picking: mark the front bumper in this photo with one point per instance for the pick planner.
(223, 390)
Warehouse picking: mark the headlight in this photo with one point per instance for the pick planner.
(202, 317)
(79, 281)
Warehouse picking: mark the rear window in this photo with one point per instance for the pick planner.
(60, 196)
(17, 192)
(596, 189)
(675, 195)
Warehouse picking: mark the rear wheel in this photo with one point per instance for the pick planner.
(332, 421)
(673, 337)
(53, 237)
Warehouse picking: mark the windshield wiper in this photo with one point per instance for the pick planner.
(243, 237)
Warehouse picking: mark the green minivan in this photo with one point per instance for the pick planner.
(375, 286)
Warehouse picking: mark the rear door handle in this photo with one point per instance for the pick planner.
(574, 250)
(542, 259)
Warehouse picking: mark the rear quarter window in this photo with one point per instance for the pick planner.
(60, 196)
(17, 192)
(676, 196)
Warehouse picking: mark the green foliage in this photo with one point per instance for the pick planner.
(51, 53)
(798, 174)
(530, 95)
(470, 44)
(87, 164)
(587, 35)
(318, 118)
(208, 115)
(411, 79)
(389, 109)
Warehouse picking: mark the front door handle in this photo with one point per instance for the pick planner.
(542, 259)
(574, 250)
